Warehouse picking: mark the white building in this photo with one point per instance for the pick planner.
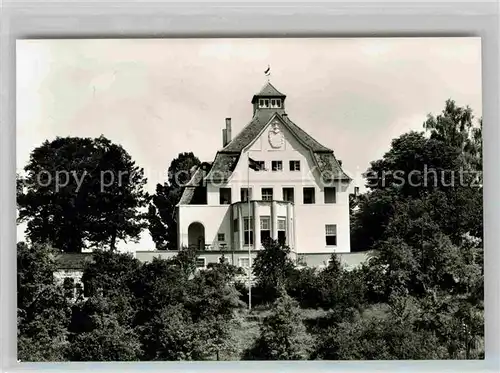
(301, 198)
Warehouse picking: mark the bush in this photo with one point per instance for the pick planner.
(283, 336)
(378, 335)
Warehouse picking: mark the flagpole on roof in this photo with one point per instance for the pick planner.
(249, 241)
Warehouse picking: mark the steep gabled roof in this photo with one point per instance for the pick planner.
(268, 91)
(227, 159)
(311, 143)
(260, 120)
(249, 132)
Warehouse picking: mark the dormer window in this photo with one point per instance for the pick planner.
(264, 103)
(268, 98)
(276, 103)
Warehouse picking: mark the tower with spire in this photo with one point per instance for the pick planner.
(269, 98)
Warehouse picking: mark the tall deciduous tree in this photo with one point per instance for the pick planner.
(81, 192)
(444, 162)
(162, 214)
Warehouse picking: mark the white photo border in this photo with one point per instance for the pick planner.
(134, 19)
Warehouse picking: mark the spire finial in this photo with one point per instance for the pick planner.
(268, 72)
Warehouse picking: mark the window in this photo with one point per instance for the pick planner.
(288, 194)
(294, 165)
(221, 237)
(248, 231)
(244, 262)
(277, 165)
(236, 225)
(309, 194)
(264, 103)
(225, 196)
(200, 262)
(245, 194)
(258, 166)
(275, 103)
(199, 196)
(331, 234)
(282, 230)
(246, 225)
(267, 194)
(330, 195)
(265, 229)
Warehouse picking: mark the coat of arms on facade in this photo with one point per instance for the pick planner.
(276, 138)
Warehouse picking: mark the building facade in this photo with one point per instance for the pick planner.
(272, 180)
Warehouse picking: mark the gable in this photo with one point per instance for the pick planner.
(262, 119)
(257, 132)
(276, 137)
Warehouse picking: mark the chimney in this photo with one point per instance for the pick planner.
(228, 130)
(284, 115)
(224, 137)
(340, 162)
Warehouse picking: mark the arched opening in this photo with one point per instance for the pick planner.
(196, 236)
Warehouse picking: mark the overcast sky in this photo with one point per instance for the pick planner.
(160, 97)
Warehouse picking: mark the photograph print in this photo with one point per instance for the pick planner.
(249, 199)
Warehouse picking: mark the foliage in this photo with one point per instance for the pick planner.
(271, 267)
(80, 192)
(442, 168)
(185, 314)
(379, 334)
(43, 311)
(162, 213)
(283, 336)
(172, 335)
(113, 276)
(109, 340)
(334, 287)
(420, 297)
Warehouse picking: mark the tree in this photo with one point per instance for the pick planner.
(172, 335)
(303, 286)
(455, 126)
(79, 191)
(162, 214)
(272, 267)
(443, 165)
(379, 333)
(283, 336)
(43, 312)
(109, 340)
(113, 276)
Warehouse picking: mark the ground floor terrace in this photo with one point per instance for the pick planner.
(241, 258)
